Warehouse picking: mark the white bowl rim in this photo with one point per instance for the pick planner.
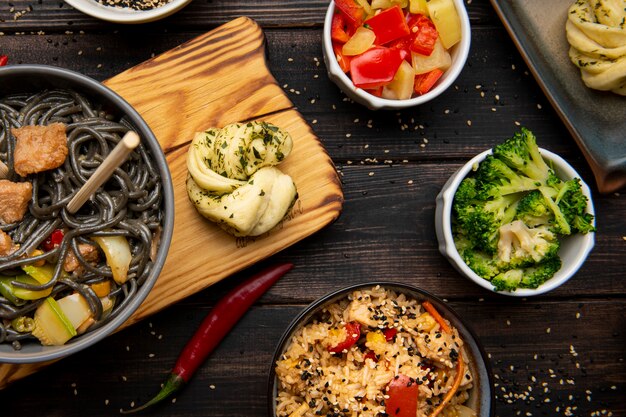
(565, 273)
(126, 15)
(376, 103)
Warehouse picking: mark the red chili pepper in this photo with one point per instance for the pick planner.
(424, 82)
(390, 333)
(424, 34)
(214, 327)
(353, 11)
(340, 30)
(353, 332)
(53, 241)
(3, 60)
(402, 401)
(342, 60)
(388, 25)
(375, 67)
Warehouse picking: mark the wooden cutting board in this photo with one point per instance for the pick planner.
(215, 79)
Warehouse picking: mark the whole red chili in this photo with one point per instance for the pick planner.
(3, 60)
(214, 327)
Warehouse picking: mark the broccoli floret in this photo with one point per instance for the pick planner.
(479, 262)
(521, 246)
(522, 153)
(535, 276)
(531, 277)
(466, 193)
(494, 178)
(533, 210)
(508, 280)
(573, 203)
(480, 220)
(538, 208)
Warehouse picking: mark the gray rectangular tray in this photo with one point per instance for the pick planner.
(596, 120)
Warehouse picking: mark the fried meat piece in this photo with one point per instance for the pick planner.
(39, 148)
(14, 199)
(6, 244)
(88, 252)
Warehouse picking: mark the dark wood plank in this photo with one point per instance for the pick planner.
(493, 70)
(55, 16)
(129, 366)
(385, 231)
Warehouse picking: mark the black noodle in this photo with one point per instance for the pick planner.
(129, 204)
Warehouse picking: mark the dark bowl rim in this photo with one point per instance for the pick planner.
(334, 295)
(96, 89)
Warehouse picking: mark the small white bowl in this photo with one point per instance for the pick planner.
(459, 53)
(574, 248)
(125, 14)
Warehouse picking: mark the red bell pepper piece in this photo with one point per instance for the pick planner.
(53, 241)
(352, 10)
(402, 401)
(340, 31)
(388, 25)
(342, 60)
(424, 82)
(353, 332)
(390, 333)
(375, 67)
(370, 355)
(404, 46)
(424, 34)
(3, 60)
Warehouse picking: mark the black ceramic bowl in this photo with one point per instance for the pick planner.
(481, 395)
(33, 78)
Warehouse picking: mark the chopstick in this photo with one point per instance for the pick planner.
(117, 156)
(4, 170)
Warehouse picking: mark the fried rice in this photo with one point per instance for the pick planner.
(315, 379)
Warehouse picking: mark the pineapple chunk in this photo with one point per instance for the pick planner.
(366, 6)
(439, 58)
(360, 42)
(418, 6)
(446, 19)
(385, 4)
(401, 87)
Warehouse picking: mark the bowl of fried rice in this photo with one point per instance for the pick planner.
(379, 349)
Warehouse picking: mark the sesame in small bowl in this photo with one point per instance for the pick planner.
(388, 54)
(516, 219)
(128, 11)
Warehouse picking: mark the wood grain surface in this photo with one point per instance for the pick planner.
(391, 166)
(215, 79)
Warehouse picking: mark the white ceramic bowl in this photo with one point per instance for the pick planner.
(574, 248)
(126, 15)
(459, 53)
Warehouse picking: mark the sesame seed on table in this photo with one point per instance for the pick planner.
(559, 354)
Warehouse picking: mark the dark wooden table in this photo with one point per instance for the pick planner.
(558, 354)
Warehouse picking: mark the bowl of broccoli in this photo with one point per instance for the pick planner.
(516, 219)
